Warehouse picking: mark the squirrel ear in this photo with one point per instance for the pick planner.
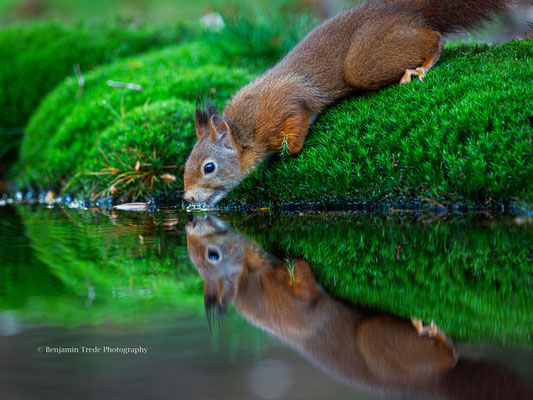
(200, 123)
(198, 129)
(214, 309)
(221, 132)
(218, 126)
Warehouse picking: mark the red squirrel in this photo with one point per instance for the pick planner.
(364, 48)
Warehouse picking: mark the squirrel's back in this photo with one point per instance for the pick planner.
(317, 63)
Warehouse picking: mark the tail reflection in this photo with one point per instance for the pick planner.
(364, 348)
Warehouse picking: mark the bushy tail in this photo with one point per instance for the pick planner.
(448, 16)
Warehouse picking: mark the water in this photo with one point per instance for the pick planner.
(112, 304)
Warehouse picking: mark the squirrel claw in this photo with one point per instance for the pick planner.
(420, 72)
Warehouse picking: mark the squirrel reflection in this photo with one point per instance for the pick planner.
(362, 347)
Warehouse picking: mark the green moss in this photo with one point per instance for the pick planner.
(141, 155)
(36, 57)
(472, 278)
(64, 129)
(258, 38)
(462, 135)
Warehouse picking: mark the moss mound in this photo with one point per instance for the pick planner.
(462, 135)
(140, 155)
(63, 131)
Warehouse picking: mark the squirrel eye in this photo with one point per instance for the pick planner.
(213, 255)
(209, 167)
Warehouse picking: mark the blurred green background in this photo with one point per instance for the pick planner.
(169, 11)
(152, 11)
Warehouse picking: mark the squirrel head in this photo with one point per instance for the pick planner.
(213, 168)
(217, 251)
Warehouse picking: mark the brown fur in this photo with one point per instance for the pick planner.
(365, 48)
(362, 347)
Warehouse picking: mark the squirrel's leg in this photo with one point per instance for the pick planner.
(294, 131)
(291, 133)
(385, 52)
(424, 68)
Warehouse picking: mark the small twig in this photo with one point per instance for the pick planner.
(175, 194)
(433, 219)
(120, 160)
(100, 147)
(392, 209)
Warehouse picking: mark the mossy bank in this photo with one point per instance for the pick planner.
(461, 136)
(38, 56)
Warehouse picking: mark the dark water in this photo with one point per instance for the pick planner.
(112, 304)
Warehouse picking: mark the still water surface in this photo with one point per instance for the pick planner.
(166, 304)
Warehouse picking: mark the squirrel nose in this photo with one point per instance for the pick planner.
(190, 199)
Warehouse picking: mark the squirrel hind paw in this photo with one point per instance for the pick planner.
(420, 72)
